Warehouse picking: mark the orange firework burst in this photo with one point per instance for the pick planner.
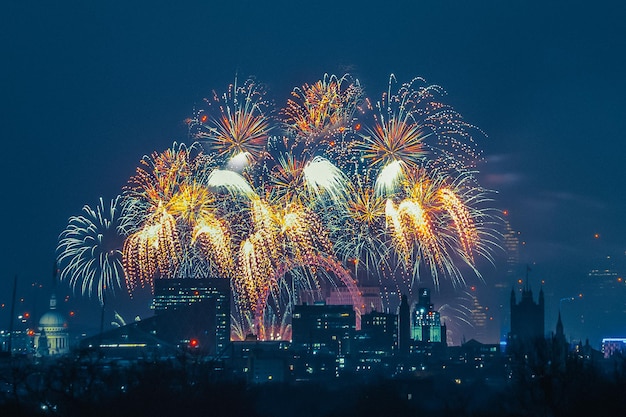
(158, 178)
(169, 211)
(397, 136)
(461, 218)
(434, 223)
(242, 127)
(323, 109)
(288, 182)
(281, 233)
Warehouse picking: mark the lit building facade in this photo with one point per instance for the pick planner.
(613, 345)
(52, 338)
(426, 322)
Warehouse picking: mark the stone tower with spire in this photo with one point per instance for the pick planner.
(527, 317)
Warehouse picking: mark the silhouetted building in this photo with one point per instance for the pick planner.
(261, 361)
(404, 326)
(189, 328)
(476, 353)
(214, 293)
(527, 318)
(379, 333)
(323, 328)
(560, 347)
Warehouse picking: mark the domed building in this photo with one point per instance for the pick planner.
(52, 338)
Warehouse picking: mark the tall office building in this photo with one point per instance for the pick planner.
(597, 320)
(209, 295)
(478, 314)
(501, 282)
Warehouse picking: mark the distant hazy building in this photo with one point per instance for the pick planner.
(478, 315)
(52, 337)
(369, 297)
(602, 309)
(511, 245)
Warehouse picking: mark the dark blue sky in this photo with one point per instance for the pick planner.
(86, 90)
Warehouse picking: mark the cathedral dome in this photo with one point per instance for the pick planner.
(52, 321)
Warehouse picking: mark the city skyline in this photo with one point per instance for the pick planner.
(80, 112)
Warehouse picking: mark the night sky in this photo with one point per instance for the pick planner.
(86, 90)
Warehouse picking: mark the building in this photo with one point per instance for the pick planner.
(322, 328)
(52, 337)
(613, 345)
(426, 322)
(527, 319)
(193, 328)
(213, 293)
(190, 315)
(479, 318)
(404, 326)
(379, 333)
(597, 319)
(261, 361)
(370, 298)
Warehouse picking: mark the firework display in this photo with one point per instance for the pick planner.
(299, 200)
(89, 250)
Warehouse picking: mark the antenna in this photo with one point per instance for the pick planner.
(12, 317)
